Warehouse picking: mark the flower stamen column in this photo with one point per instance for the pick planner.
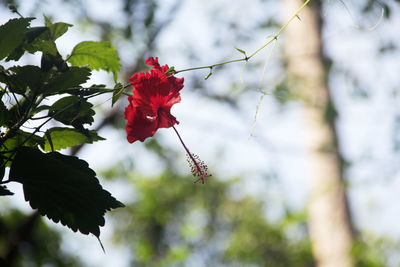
(198, 167)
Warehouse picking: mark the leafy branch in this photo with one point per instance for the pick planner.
(61, 187)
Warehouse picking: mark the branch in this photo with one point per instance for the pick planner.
(247, 58)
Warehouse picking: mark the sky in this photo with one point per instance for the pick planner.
(228, 144)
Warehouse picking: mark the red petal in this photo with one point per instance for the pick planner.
(165, 119)
(138, 127)
(149, 100)
(151, 61)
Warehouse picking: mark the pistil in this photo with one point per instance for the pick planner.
(198, 167)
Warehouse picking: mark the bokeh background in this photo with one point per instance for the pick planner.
(247, 124)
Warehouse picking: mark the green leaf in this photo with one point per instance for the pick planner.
(118, 90)
(12, 35)
(62, 138)
(30, 43)
(72, 110)
(171, 70)
(39, 109)
(45, 40)
(16, 54)
(241, 51)
(58, 29)
(4, 191)
(72, 78)
(44, 45)
(21, 138)
(49, 140)
(49, 61)
(2, 167)
(12, 82)
(19, 78)
(33, 32)
(63, 188)
(99, 55)
(47, 20)
(3, 114)
(24, 77)
(25, 138)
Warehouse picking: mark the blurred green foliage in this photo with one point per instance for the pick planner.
(172, 223)
(36, 248)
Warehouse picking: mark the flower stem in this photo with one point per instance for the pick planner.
(211, 66)
(275, 37)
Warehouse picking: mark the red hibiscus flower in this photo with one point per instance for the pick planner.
(154, 94)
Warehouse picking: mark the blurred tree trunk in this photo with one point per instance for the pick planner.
(328, 211)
